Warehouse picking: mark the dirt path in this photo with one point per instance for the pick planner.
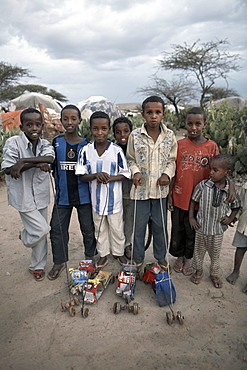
(36, 335)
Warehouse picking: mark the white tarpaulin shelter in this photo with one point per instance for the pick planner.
(31, 100)
(96, 103)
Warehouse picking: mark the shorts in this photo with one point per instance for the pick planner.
(239, 240)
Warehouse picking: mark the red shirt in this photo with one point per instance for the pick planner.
(192, 166)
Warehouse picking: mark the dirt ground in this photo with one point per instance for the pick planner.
(36, 335)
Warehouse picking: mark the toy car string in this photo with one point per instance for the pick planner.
(166, 242)
(102, 216)
(61, 232)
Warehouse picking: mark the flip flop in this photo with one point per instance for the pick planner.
(38, 275)
(216, 282)
(178, 267)
(56, 271)
(102, 262)
(196, 279)
(188, 270)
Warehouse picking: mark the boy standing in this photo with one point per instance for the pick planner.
(104, 165)
(192, 166)
(212, 219)
(151, 155)
(70, 193)
(26, 160)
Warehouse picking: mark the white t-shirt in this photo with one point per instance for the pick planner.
(106, 198)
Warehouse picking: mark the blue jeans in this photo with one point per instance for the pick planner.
(144, 210)
(59, 233)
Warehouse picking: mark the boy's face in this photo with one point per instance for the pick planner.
(122, 132)
(100, 129)
(194, 125)
(70, 120)
(32, 126)
(153, 114)
(217, 172)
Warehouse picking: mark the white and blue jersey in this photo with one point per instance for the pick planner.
(106, 198)
(69, 189)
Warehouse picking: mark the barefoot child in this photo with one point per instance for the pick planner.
(240, 238)
(122, 128)
(103, 164)
(26, 163)
(212, 219)
(192, 166)
(70, 193)
(151, 154)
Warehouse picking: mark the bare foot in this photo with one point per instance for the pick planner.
(233, 277)
(245, 289)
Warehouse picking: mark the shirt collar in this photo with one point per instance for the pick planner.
(210, 184)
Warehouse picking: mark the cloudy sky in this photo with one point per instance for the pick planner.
(82, 48)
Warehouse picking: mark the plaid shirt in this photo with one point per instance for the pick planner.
(212, 206)
(151, 159)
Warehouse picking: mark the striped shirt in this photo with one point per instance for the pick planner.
(212, 206)
(106, 198)
(151, 159)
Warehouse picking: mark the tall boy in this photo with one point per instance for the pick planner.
(70, 193)
(104, 165)
(212, 217)
(151, 155)
(26, 160)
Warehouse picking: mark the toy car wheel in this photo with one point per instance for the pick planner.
(84, 312)
(72, 311)
(112, 279)
(116, 307)
(180, 318)
(135, 308)
(169, 318)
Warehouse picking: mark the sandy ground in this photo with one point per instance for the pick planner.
(36, 335)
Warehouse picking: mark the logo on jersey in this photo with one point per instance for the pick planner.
(71, 154)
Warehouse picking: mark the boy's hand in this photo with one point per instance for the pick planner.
(163, 180)
(226, 221)
(194, 224)
(43, 167)
(170, 203)
(15, 170)
(102, 178)
(137, 179)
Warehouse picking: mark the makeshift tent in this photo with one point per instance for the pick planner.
(96, 103)
(32, 100)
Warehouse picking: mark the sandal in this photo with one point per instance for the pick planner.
(122, 260)
(196, 279)
(165, 266)
(38, 275)
(216, 282)
(56, 271)
(188, 270)
(102, 262)
(178, 267)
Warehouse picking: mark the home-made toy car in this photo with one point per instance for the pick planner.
(126, 289)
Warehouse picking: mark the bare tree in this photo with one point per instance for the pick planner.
(206, 62)
(178, 91)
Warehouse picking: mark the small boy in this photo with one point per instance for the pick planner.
(70, 193)
(122, 128)
(212, 219)
(104, 165)
(26, 163)
(240, 238)
(151, 155)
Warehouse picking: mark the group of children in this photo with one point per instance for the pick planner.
(114, 186)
